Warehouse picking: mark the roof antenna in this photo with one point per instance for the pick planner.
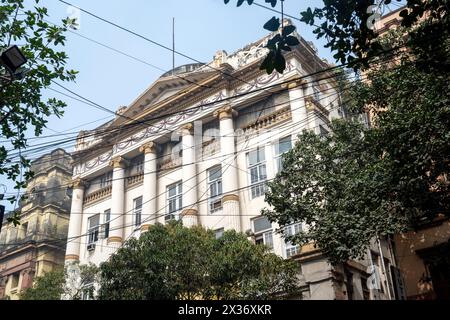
(173, 46)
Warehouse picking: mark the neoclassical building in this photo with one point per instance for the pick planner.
(200, 145)
(38, 244)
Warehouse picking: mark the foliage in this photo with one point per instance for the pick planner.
(21, 101)
(50, 286)
(347, 27)
(174, 262)
(68, 283)
(358, 183)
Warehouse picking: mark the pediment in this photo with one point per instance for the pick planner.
(162, 89)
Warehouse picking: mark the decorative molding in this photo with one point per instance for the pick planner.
(312, 105)
(114, 240)
(189, 212)
(97, 195)
(72, 257)
(225, 113)
(119, 162)
(149, 147)
(187, 129)
(230, 197)
(78, 184)
(270, 120)
(135, 180)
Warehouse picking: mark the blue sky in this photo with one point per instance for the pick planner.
(112, 80)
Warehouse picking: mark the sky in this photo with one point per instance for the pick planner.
(202, 27)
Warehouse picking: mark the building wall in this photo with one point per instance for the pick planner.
(283, 115)
(31, 249)
(413, 267)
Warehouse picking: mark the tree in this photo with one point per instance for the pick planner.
(347, 26)
(174, 262)
(357, 184)
(21, 101)
(63, 283)
(50, 286)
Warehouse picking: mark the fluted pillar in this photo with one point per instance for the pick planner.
(230, 185)
(149, 193)
(76, 216)
(117, 201)
(189, 214)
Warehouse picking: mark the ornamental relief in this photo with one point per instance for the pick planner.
(170, 123)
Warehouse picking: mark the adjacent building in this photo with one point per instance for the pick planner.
(423, 255)
(37, 245)
(200, 145)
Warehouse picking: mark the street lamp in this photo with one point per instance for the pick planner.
(12, 59)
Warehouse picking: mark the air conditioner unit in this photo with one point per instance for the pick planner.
(91, 247)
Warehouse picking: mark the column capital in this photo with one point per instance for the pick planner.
(118, 162)
(187, 129)
(149, 147)
(295, 83)
(225, 113)
(78, 184)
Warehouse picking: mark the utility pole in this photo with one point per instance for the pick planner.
(2, 212)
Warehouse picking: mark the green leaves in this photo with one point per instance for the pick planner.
(40, 43)
(357, 183)
(280, 42)
(174, 262)
(273, 24)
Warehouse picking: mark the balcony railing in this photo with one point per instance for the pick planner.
(98, 195)
(270, 120)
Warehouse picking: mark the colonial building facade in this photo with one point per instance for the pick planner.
(200, 145)
(37, 245)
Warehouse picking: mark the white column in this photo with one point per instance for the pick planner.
(149, 193)
(190, 212)
(230, 200)
(75, 221)
(298, 108)
(117, 201)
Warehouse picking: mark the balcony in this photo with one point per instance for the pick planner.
(135, 180)
(98, 195)
(269, 120)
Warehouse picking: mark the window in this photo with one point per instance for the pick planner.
(87, 292)
(257, 170)
(15, 280)
(24, 229)
(107, 218)
(106, 180)
(263, 232)
(219, 233)
(283, 145)
(174, 200)
(93, 225)
(215, 189)
(316, 91)
(137, 211)
(293, 229)
(140, 167)
(365, 289)
(322, 131)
